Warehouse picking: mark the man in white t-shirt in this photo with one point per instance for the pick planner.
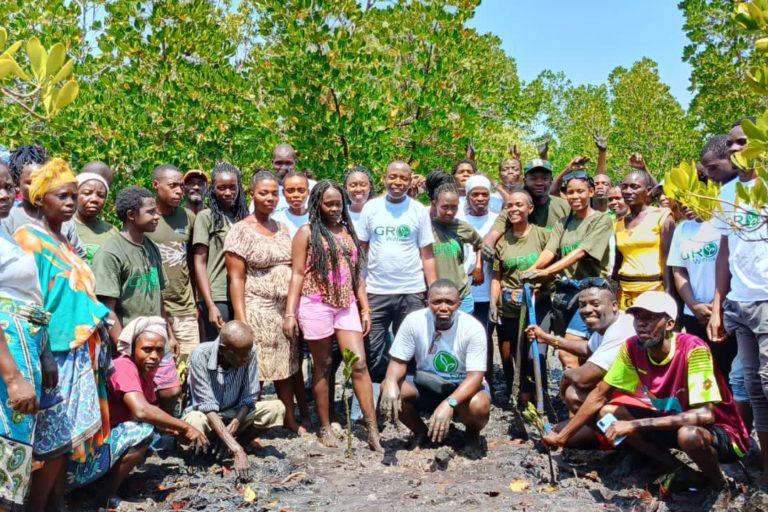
(740, 304)
(448, 349)
(610, 328)
(396, 233)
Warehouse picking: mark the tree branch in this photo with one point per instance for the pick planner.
(23, 106)
(342, 138)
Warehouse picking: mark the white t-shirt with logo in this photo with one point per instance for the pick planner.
(694, 247)
(483, 226)
(748, 250)
(605, 347)
(459, 350)
(395, 233)
(294, 222)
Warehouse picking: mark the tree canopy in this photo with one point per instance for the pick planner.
(191, 82)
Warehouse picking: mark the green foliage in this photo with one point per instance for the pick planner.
(721, 54)
(46, 87)
(682, 183)
(634, 110)
(349, 358)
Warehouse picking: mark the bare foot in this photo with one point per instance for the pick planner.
(295, 428)
(374, 442)
(327, 438)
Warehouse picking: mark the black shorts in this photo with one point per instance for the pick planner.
(721, 440)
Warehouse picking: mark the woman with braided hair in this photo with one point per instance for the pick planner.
(226, 206)
(326, 285)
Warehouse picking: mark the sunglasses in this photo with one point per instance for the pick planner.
(594, 282)
(576, 175)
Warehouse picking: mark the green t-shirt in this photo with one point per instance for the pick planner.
(593, 235)
(545, 216)
(93, 236)
(173, 237)
(514, 255)
(447, 248)
(132, 274)
(205, 234)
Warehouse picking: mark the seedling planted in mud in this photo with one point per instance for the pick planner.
(350, 358)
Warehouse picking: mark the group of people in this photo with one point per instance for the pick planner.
(116, 337)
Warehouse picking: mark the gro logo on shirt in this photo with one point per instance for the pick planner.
(445, 362)
(399, 233)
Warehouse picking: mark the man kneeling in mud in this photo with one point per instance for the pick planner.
(671, 395)
(448, 348)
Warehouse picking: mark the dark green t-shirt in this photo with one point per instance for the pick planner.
(132, 274)
(593, 235)
(447, 248)
(173, 237)
(514, 255)
(205, 234)
(545, 216)
(93, 236)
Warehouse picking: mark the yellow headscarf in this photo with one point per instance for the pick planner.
(54, 174)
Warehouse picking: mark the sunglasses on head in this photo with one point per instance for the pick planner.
(576, 175)
(594, 282)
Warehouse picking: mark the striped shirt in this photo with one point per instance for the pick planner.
(216, 389)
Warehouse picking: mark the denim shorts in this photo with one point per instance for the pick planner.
(736, 381)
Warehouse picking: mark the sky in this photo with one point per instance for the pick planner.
(587, 39)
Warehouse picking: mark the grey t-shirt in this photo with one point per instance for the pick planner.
(18, 217)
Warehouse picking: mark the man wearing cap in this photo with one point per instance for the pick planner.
(609, 327)
(195, 188)
(547, 209)
(672, 396)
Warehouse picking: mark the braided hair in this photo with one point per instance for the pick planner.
(439, 182)
(25, 155)
(239, 206)
(323, 244)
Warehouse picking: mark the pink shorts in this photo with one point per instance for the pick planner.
(317, 320)
(166, 376)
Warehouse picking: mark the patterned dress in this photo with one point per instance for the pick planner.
(73, 417)
(268, 274)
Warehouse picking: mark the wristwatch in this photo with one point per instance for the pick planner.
(452, 402)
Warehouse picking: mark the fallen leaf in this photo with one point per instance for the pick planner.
(550, 488)
(249, 496)
(518, 485)
(179, 505)
(645, 495)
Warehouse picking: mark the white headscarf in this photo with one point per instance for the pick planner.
(137, 327)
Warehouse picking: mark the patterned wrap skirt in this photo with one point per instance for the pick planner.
(123, 438)
(74, 416)
(24, 331)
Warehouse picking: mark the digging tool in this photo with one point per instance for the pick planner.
(531, 305)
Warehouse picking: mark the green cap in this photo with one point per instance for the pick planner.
(538, 164)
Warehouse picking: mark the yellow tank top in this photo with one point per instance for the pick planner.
(641, 249)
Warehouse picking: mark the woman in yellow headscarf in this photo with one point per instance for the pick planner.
(73, 416)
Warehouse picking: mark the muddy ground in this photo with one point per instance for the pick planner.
(296, 473)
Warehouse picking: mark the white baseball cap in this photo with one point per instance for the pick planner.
(656, 302)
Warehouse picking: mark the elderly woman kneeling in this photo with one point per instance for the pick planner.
(132, 413)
